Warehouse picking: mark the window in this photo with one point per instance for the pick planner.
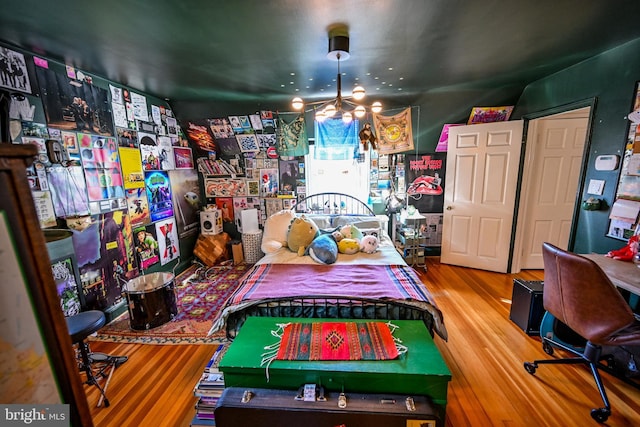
(338, 176)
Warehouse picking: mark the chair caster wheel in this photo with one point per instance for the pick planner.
(530, 367)
(600, 415)
(548, 348)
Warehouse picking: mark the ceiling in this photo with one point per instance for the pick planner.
(202, 55)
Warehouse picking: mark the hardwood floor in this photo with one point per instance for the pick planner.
(485, 353)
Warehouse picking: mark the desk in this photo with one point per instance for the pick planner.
(623, 274)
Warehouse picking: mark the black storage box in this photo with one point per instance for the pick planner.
(279, 408)
(526, 305)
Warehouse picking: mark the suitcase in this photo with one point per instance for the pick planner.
(240, 406)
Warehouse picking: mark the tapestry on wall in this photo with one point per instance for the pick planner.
(292, 137)
(394, 133)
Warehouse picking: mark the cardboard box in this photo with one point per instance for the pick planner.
(236, 250)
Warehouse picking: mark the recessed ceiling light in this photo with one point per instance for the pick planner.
(281, 85)
(401, 78)
(390, 68)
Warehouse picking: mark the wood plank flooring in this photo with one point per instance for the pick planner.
(485, 353)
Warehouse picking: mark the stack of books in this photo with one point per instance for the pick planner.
(208, 390)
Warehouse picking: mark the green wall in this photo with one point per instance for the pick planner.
(611, 79)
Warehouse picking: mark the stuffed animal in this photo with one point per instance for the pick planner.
(302, 231)
(350, 231)
(626, 253)
(369, 244)
(276, 228)
(323, 249)
(348, 246)
(366, 136)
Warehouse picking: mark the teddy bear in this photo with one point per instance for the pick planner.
(302, 231)
(350, 231)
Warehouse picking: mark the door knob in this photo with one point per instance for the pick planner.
(449, 208)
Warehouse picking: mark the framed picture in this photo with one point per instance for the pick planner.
(253, 187)
(183, 157)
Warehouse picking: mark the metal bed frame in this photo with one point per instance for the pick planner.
(329, 307)
(332, 204)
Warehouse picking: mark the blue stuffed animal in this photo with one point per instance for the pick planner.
(323, 249)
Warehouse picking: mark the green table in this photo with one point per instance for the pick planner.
(419, 371)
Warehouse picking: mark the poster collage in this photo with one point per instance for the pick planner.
(242, 169)
(111, 165)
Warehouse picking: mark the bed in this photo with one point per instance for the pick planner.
(358, 286)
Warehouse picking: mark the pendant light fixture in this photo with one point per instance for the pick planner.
(346, 107)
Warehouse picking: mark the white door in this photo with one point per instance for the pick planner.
(480, 190)
(555, 150)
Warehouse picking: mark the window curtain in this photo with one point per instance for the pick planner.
(336, 140)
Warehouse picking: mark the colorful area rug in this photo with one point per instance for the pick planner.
(337, 341)
(200, 294)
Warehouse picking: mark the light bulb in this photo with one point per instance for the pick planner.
(320, 116)
(347, 117)
(297, 103)
(330, 110)
(358, 93)
(360, 111)
(376, 107)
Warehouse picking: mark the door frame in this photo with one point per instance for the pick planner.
(525, 173)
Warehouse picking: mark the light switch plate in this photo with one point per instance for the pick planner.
(596, 186)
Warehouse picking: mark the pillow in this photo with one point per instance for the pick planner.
(275, 231)
(322, 221)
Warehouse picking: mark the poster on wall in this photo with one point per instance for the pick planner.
(166, 232)
(225, 187)
(138, 206)
(149, 151)
(186, 200)
(198, 134)
(132, 171)
(66, 286)
(165, 153)
(71, 104)
(105, 259)
(425, 181)
(183, 158)
(146, 246)
(159, 195)
(68, 191)
(101, 167)
(14, 71)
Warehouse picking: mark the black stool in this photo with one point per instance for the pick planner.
(94, 365)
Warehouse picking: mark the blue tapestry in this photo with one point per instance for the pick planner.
(336, 140)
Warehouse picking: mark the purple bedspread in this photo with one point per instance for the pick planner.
(390, 282)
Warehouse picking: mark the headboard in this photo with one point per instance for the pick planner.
(332, 204)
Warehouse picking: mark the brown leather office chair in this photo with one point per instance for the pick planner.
(580, 295)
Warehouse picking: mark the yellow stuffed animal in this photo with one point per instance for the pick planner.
(302, 231)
